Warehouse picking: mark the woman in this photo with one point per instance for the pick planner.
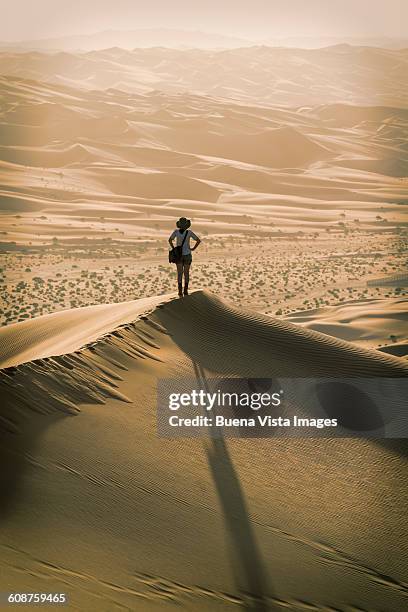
(184, 264)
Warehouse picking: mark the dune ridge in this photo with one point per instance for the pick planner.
(206, 321)
(66, 331)
(64, 359)
(258, 343)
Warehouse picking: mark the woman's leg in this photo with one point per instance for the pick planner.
(186, 268)
(180, 277)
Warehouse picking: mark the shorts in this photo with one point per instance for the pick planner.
(187, 259)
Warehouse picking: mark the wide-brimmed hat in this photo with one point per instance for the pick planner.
(183, 223)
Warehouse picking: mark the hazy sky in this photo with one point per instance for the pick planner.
(254, 19)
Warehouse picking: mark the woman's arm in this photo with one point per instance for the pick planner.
(196, 244)
(171, 238)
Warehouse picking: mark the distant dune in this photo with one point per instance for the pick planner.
(360, 321)
(143, 159)
(257, 74)
(172, 38)
(306, 42)
(130, 39)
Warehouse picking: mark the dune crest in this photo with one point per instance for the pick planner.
(66, 331)
(205, 324)
(235, 341)
(68, 358)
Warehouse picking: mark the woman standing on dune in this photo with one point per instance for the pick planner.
(184, 258)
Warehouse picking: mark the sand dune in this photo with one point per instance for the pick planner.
(172, 38)
(297, 351)
(118, 40)
(257, 74)
(65, 331)
(79, 432)
(68, 331)
(294, 168)
(359, 321)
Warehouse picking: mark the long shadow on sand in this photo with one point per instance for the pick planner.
(249, 570)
